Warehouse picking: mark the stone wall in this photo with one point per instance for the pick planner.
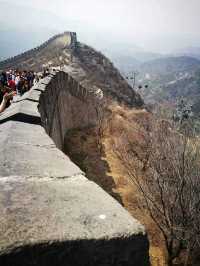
(66, 105)
(51, 214)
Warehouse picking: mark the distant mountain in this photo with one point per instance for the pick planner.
(170, 79)
(165, 70)
(128, 57)
(189, 51)
(186, 87)
(169, 95)
(170, 65)
(125, 63)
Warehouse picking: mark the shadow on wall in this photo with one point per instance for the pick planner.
(81, 145)
(90, 253)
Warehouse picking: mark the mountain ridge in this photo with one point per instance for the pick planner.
(89, 67)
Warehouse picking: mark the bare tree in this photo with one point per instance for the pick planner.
(100, 104)
(166, 171)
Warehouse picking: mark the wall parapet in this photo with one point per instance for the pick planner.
(52, 214)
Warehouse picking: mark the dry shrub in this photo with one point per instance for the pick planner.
(164, 166)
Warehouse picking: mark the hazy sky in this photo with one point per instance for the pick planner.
(156, 25)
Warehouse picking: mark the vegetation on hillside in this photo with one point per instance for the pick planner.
(151, 166)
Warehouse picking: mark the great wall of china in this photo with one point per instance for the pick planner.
(71, 45)
(51, 214)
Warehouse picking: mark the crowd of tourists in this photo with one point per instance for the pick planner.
(15, 83)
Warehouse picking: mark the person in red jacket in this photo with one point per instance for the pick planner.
(11, 84)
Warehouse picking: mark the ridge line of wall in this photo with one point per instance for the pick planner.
(40, 47)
